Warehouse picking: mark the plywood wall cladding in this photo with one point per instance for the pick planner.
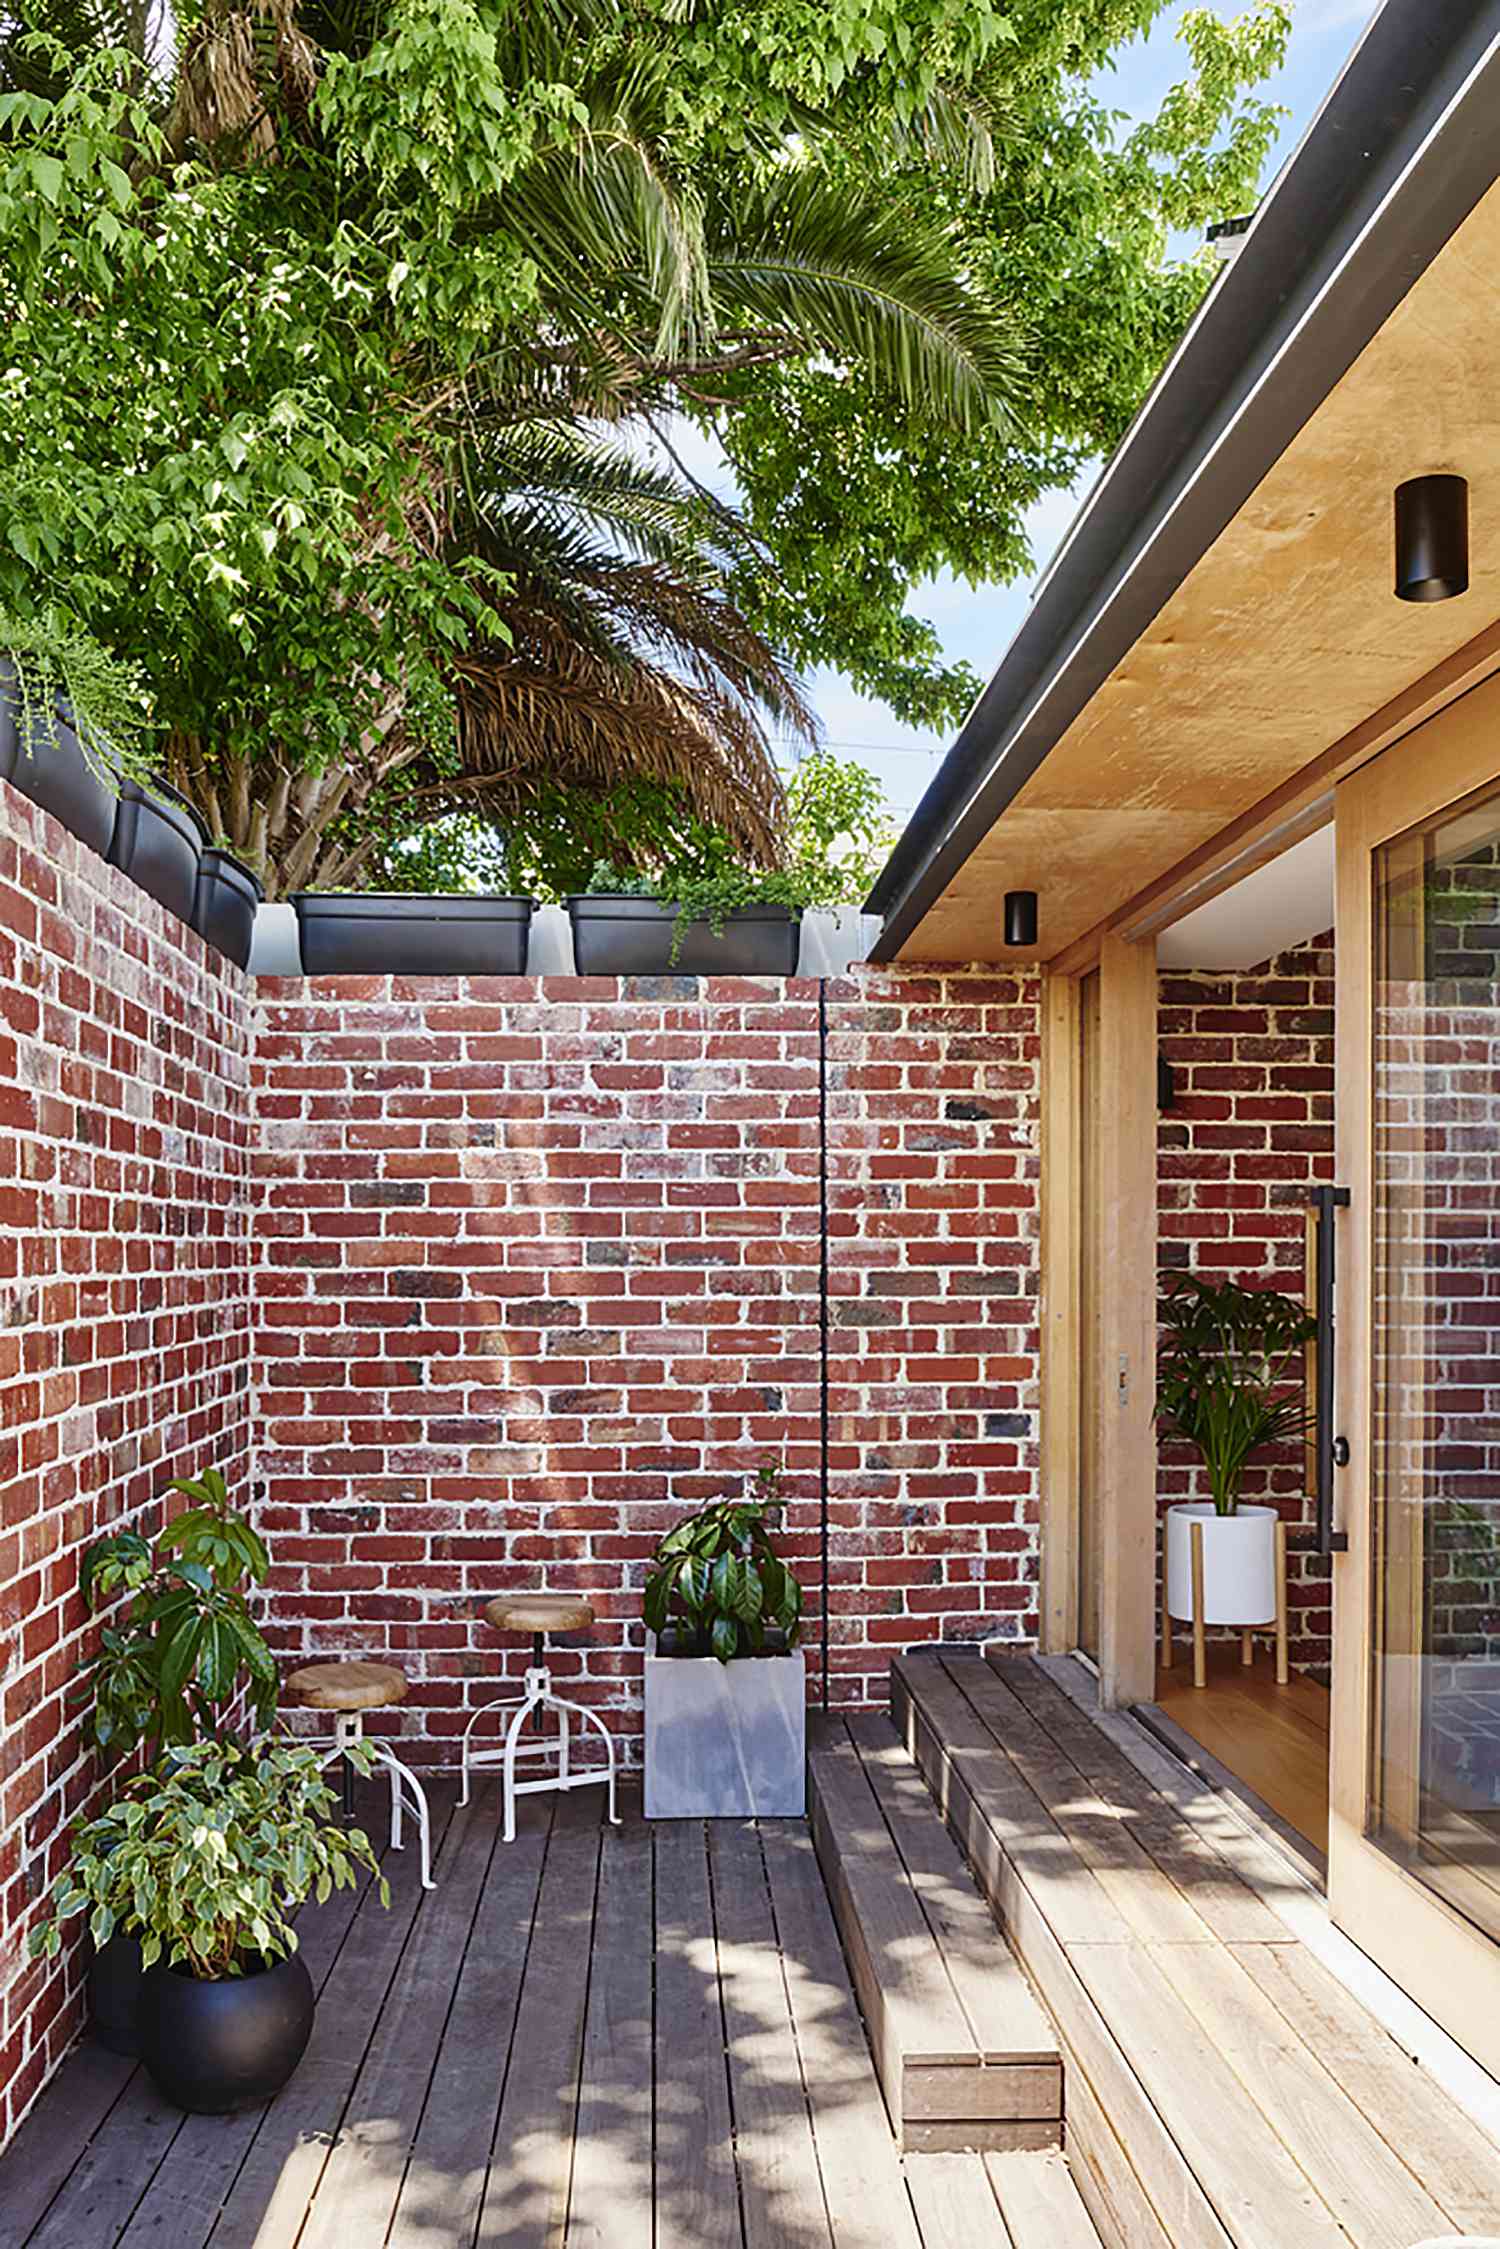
(1284, 638)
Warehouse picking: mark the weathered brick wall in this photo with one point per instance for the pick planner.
(539, 1269)
(124, 1333)
(1249, 1134)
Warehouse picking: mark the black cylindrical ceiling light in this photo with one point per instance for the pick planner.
(1432, 538)
(1020, 917)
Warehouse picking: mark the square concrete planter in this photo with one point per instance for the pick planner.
(725, 1740)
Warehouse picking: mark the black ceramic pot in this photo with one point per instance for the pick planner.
(617, 935)
(225, 904)
(378, 933)
(115, 1977)
(217, 2046)
(158, 842)
(53, 770)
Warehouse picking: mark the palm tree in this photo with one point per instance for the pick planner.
(626, 660)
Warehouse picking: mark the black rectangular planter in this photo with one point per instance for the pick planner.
(225, 905)
(52, 770)
(158, 842)
(374, 933)
(617, 935)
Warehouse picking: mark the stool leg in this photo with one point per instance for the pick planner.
(512, 1738)
(1200, 1649)
(1283, 1669)
(402, 1778)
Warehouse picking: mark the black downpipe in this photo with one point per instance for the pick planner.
(823, 1312)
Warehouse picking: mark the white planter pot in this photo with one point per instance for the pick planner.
(1239, 1564)
(725, 1740)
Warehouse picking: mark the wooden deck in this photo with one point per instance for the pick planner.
(1274, 1740)
(1221, 2086)
(632, 2038)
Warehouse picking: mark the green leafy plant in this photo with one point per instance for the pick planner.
(46, 656)
(205, 1858)
(168, 1673)
(717, 1584)
(839, 833)
(1224, 1375)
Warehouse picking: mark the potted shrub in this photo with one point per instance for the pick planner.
(1228, 1386)
(412, 933)
(158, 841)
(203, 1859)
(184, 1655)
(725, 1680)
(702, 912)
(225, 903)
(69, 717)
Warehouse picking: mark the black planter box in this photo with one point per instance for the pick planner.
(225, 905)
(616, 935)
(53, 770)
(374, 933)
(158, 842)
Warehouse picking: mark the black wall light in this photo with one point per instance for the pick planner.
(1432, 538)
(1020, 917)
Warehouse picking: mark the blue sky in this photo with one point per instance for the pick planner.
(976, 624)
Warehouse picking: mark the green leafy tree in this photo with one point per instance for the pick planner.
(717, 1584)
(332, 334)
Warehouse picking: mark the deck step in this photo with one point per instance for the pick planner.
(966, 2057)
(1178, 1997)
(1021, 2199)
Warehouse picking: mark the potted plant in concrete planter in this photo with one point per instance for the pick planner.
(169, 1671)
(725, 1680)
(70, 717)
(412, 933)
(1229, 1386)
(203, 1859)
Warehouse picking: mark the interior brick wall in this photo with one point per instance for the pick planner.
(538, 1270)
(1249, 1134)
(124, 1330)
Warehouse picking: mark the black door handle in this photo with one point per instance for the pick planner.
(1331, 1450)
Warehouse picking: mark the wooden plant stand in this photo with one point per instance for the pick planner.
(1247, 1632)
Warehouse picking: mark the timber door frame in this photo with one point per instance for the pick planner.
(1124, 1337)
(1446, 1964)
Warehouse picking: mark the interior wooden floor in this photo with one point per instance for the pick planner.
(1273, 1739)
(640, 2037)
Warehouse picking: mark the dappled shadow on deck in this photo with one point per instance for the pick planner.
(640, 2035)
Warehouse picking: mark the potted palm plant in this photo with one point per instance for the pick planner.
(1227, 1385)
(725, 1680)
(169, 1670)
(203, 1859)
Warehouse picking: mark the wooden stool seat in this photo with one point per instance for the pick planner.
(347, 1686)
(539, 1612)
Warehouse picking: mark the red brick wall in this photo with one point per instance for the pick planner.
(539, 1269)
(1249, 1134)
(123, 1314)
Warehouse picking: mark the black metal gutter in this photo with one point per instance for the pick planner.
(1405, 145)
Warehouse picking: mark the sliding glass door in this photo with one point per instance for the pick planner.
(1415, 1847)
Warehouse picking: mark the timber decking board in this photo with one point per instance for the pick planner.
(1326, 2150)
(948, 2085)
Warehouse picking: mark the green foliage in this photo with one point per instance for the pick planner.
(206, 1857)
(292, 316)
(187, 1645)
(839, 832)
(47, 656)
(1225, 1375)
(716, 1579)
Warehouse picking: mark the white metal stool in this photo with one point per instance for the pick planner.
(538, 1614)
(348, 1690)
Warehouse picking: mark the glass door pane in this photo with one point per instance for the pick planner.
(1089, 1324)
(1435, 1359)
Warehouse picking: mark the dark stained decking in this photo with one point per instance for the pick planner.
(632, 2038)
